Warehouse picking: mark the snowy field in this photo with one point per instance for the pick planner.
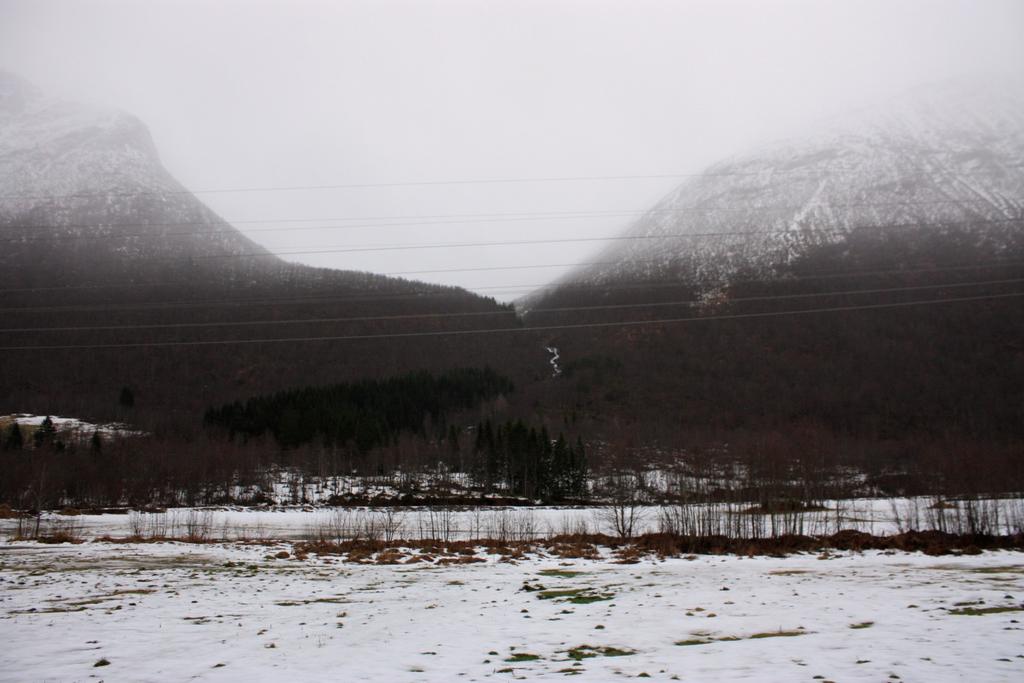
(233, 612)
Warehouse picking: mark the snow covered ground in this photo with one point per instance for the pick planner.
(69, 425)
(175, 612)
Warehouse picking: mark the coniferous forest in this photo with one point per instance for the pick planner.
(363, 414)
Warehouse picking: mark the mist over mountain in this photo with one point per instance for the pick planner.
(861, 281)
(396, 341)
(89, 181)
(948, 156)
(114, 274)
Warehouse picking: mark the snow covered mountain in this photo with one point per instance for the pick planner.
(861, 280)
(80, 177)
(948, 157)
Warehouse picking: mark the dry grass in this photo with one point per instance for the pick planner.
(776, 634)
(655, 545)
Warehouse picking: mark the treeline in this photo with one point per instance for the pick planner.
(506, 461)
(107, 471)
(365, 414)
(785, 474)
(409, 433)
(525, 461)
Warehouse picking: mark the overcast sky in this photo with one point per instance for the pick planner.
(269, 94)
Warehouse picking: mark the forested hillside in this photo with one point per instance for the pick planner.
(114, 276)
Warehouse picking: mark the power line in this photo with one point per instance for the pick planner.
(420, 295)
(424, 183)
(468, 314)
(507, 330)
(572, 286)
(473, 269)
(359, 186)
(418, 220)
(568, 240)
(792, 173)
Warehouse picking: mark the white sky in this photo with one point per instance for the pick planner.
(257, 94)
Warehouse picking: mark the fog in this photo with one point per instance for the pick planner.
(420, 108)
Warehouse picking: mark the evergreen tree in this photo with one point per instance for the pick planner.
(578, 480)
(367, 413)
(45, 433)
(561, 468)
(127, 398)
(14, 441)
(543, 471)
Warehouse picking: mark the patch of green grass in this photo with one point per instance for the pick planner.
(581, 652)
(587, 651)
(561, 573)
(1001, 569)
(979, 611)
(576, 596)
(105, 598)
(48, 610)
(593, 597)
(703, 639)
(863, 624)
(563, 593)
(776, 634)
(522, 657)
(338, 600)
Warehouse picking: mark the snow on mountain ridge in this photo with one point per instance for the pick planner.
(70, 171)
(49, 147)
(936, 156)
(15, 92)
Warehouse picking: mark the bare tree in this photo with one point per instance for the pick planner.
(626, 510)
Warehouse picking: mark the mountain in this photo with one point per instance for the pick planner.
(859, 285)
(89, 182)
(948, 155)
(115, 275)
